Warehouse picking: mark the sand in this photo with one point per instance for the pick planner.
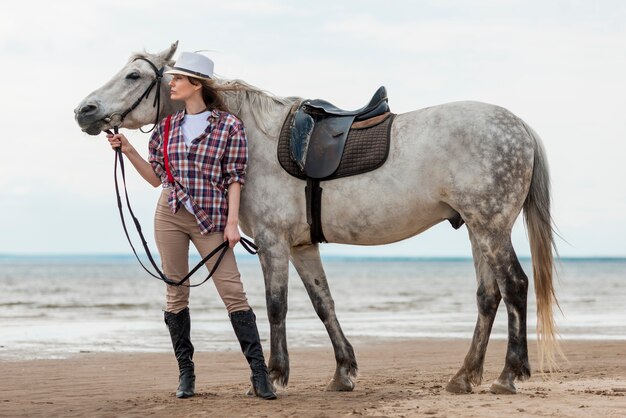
(397, 379)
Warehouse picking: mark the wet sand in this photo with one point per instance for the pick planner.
(396, 379)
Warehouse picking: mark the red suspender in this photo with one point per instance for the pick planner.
(170, 178)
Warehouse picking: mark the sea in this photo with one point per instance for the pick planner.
(62, 306)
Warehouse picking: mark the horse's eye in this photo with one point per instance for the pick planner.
(133, 76)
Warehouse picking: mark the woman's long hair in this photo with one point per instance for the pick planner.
(211, 97)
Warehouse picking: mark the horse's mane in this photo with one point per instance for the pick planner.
(259, 103)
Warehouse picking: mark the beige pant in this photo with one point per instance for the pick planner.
(173, 233)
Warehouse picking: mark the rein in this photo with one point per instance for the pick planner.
(221, 249)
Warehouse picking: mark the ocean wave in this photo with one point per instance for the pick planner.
(95, 306)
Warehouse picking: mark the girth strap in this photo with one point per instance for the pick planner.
(313, 193)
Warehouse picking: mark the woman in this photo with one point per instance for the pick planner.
(207, 154)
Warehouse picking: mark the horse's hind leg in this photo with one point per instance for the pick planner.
(306, 259)
(487, 298)
(499, 255)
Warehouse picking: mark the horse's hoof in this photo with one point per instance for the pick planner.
(459, 386)
(500, 388)
(250, 391)
(340, 385)
(279, 380)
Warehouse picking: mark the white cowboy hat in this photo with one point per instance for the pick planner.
(193, 64)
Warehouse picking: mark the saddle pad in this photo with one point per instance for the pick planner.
(366, 148)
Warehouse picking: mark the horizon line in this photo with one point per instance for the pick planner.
(5, 256)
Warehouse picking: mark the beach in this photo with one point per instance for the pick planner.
(84, 336)
(396, 379)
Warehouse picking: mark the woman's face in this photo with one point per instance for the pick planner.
(182, 89)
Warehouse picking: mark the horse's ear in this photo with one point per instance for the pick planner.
(168, 53)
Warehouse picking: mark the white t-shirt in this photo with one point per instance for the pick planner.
(193, 126)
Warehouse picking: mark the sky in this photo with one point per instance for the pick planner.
(559, 65)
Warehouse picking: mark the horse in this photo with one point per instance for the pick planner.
(469, 160)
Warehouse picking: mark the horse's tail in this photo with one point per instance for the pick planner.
(540, 234)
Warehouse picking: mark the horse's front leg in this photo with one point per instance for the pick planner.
(274, 257)
(306, 259)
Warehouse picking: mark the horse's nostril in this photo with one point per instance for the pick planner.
(87, 109)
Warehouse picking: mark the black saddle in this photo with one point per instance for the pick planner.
(319, 141)
(377, 105)
(319, 131)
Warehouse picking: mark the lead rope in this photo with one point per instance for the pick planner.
(222, 248)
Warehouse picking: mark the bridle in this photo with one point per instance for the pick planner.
(221, 249)
(158, 76)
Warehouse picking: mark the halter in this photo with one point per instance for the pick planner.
(158, 76)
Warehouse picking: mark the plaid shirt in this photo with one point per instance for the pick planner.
(202, 171)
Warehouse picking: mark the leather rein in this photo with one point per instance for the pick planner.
(221, 249)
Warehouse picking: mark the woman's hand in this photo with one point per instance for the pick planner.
(231, 234)
(119, 140)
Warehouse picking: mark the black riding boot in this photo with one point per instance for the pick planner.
(244, 324)
(179, 326)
